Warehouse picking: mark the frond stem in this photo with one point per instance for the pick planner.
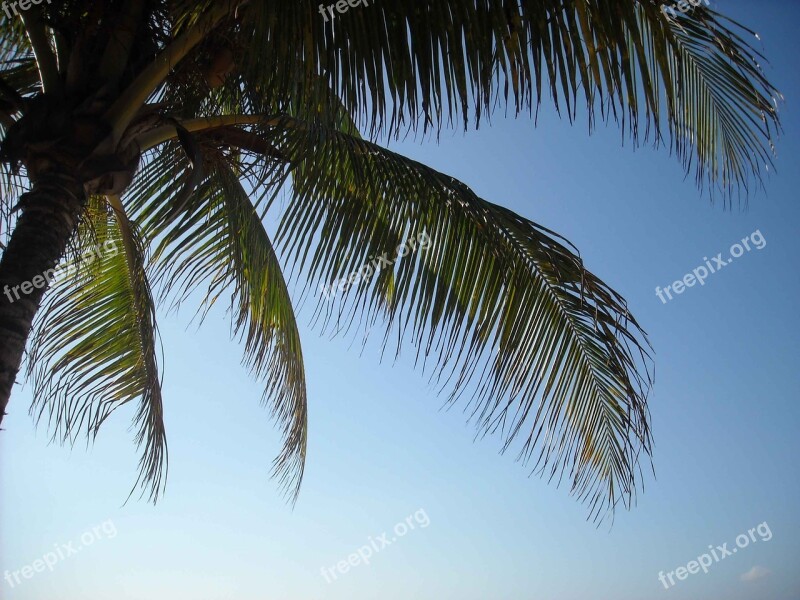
(159, 135)
(45, 57)
(127, 105)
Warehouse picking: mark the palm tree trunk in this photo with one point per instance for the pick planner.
(49, 214)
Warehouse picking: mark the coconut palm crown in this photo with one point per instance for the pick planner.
(168, 130)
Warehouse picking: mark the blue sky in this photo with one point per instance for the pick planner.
(724, 413)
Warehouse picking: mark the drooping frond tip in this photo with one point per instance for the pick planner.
(95, 344)
(215, 243)
(693, 79)
(537, 348)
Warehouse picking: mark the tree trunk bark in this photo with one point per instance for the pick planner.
(49, 215)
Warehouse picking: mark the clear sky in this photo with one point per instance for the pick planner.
(724, 413)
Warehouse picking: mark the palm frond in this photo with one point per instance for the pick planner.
(725, 111)
(503, 308)
(218, 240)
(396, 66)
(95, 343)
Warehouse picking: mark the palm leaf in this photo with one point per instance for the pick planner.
(219, 241)
(549, 354)
(94, 349)
(394, 66)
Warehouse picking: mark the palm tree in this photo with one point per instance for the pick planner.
(167, 130)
